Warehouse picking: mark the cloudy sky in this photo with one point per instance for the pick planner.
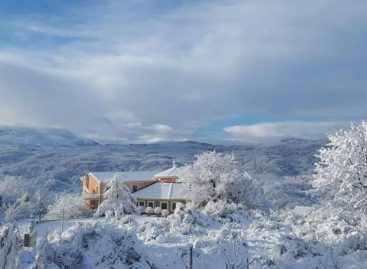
(213, 71)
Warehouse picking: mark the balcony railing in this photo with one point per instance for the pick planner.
(91, 196)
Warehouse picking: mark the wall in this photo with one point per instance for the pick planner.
(167, 179)
(157, 203)
(139, 184)
(94, 187)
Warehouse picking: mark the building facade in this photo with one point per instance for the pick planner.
(150, 188)
(94, 184)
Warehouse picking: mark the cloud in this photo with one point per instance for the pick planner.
(142, 71)
(279, 130)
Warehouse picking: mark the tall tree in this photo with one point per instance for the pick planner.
(341, 174)
(216, 176)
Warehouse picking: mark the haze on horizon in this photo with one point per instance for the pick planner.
(213, 71)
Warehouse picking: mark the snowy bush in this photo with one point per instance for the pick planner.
(9, 246)
(93, 246)
(149, 210)
(156, 231)
(235, 255)
(68, 205)
(188, 219)
(221, 209)
(165, 213)
(215, 176)
(141, 209)
(117, 199)
(157, 210)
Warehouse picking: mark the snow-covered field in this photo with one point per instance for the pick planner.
(48, 227)
(254, 240)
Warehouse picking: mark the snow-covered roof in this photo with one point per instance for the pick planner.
(124, 176)
(163, 191)
(171, 172)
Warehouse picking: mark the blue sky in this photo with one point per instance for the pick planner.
(214, 71)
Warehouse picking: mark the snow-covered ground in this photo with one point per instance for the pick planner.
(277, 240)
(47, 227)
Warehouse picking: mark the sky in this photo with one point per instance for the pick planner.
(168, 70)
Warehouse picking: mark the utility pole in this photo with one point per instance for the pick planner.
(190, 254)
(62, 221)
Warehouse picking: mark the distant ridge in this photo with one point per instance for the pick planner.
(38, 137)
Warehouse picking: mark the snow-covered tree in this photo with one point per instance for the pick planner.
(117, 199)
(341, 174)
(11, 189)
(22, 208)
(40, 205)
(216, 176)
(68, 205)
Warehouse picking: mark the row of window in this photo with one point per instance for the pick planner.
(164, 205)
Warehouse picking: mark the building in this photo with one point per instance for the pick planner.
(94, 184)
(161, 194)
(151, 188)
(165, 192)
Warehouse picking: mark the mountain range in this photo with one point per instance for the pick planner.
(55, 159)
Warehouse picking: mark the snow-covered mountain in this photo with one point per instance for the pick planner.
(32, 137)
(56, 159)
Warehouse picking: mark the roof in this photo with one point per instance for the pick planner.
(162, 191)
(171, 172)
(124, 176)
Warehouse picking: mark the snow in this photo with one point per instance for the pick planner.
(124, 176)
(223, 234)
(171, 172)
(302, 210)
(161, 190)
(277, 240)
(57, 167)
(33, 137)
(47, 227)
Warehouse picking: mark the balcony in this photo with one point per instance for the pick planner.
(91, 196)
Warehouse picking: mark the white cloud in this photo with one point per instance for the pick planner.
(279, 130)
(167, 74)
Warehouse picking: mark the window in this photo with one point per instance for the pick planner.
(141, 203)
(164, 205)
(151, 204)
(135, 188)
(173, 206)
(97, 189)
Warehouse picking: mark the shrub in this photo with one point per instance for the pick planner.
(158, 210)
(149, 210)
(165, 213)
(141, 210)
